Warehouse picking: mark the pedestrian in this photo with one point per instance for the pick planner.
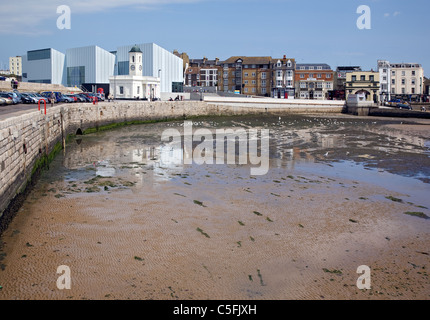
(52, 98)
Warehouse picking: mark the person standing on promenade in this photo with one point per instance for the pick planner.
(52, 98)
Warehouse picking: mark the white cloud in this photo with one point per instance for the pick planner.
(24, 17)
(395, 14)
(386, 15)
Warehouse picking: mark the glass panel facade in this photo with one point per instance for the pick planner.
(40, 81)
(123, 68)
(39, 54)
(75, 76)
(177, 87)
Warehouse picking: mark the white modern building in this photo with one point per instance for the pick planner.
(134, 85)
(15, 65)
(89, 65)
(43, 66)
(156, 62)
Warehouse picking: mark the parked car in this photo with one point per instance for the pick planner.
(59, 97)
(36, 97)
(7, 99)
(19, 95)
(70, 97)
(91, 96)
(100, 96)
(12, 96)
(48, 95)
(393, 102)
(3, 101)
(79, 97)
(404, 106)
(87, 98)
(67, 99)
(26, 98)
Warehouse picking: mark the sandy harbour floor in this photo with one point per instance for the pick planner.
(214, 232)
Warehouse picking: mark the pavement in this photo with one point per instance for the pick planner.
(14, 110)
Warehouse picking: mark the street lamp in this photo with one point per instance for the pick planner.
(159, 77)
(114, 81)
(421, 88)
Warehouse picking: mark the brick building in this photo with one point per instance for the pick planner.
(202, 73)
(313, 81)
(246, 75)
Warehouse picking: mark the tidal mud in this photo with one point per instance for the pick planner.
(133, 222)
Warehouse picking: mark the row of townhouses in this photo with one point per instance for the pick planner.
(284, 78)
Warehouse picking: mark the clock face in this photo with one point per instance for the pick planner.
(140, 68)
(132, 67)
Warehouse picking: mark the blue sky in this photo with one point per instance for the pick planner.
(310, 31)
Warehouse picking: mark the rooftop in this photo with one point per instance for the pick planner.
(135, 49)
(308, 66)
(248, 60)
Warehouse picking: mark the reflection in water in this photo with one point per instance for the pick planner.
(294, 140)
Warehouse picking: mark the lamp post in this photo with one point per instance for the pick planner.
(421, 88)
(114, 81)
(159, 77)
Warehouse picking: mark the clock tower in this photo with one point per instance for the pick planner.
(135, 61)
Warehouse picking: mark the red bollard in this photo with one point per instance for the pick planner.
(44, 101)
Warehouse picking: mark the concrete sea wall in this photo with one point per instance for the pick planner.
(28, 142)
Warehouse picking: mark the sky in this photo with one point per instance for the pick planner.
(320, 31)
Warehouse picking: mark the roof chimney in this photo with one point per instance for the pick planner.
(285, 57)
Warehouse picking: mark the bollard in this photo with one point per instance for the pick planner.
(44, 101)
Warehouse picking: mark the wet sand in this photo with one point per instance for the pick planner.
(212, 232)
